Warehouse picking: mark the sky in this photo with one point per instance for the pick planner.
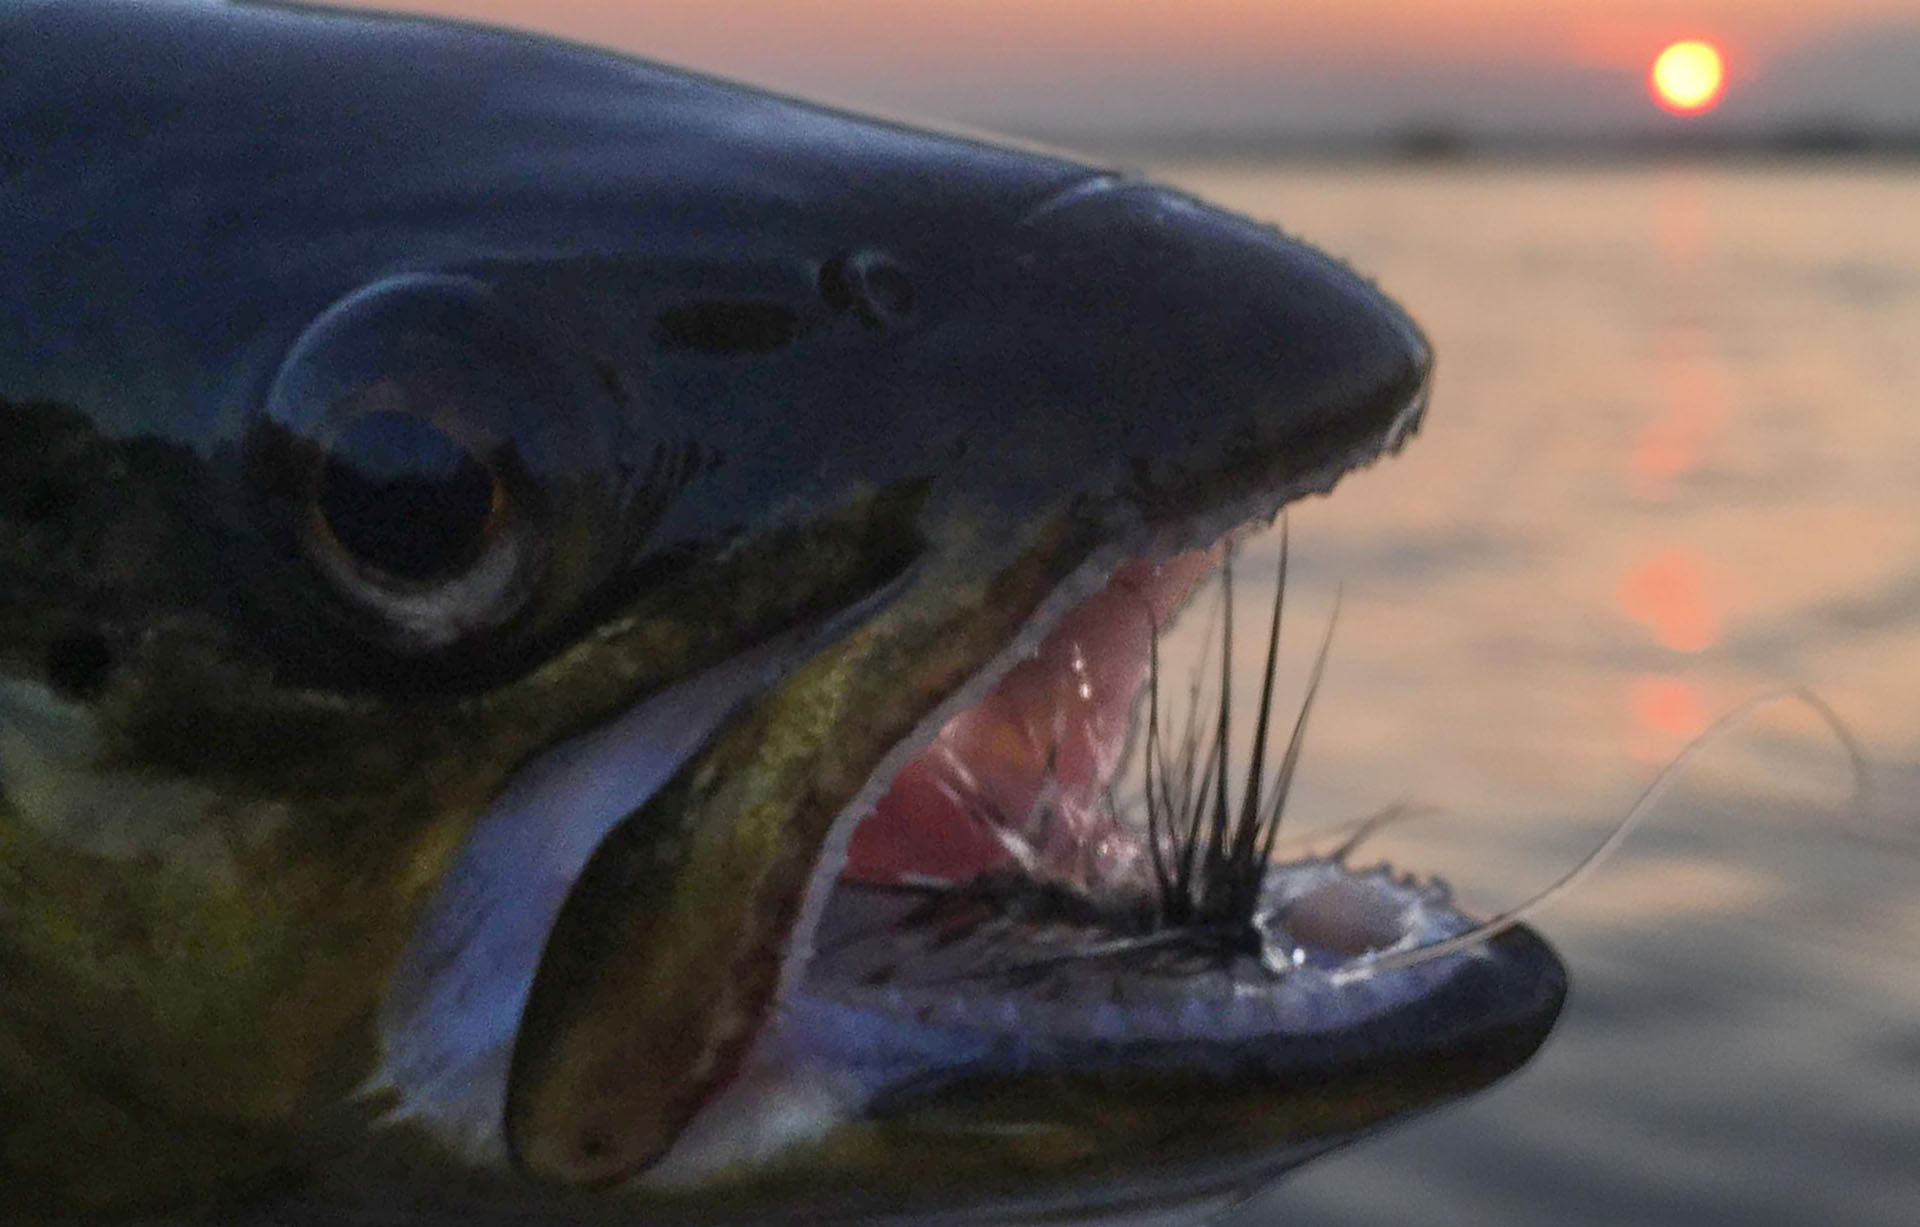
(1279, 66)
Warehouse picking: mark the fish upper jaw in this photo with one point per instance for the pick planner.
(1127, 343)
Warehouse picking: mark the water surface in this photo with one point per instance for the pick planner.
(1672, 462)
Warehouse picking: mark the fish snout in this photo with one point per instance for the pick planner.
(1201, 347)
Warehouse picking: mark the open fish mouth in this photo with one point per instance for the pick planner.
(999, 984)
(1019, 972)
(1001, 885)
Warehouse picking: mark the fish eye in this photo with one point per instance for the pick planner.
(405, 500)
(419, 451)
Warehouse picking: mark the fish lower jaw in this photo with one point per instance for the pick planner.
(889, 1016)
(1056, 989)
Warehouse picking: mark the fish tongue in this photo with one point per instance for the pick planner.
(1025, 767)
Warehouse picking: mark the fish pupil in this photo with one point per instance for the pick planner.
(404, 498)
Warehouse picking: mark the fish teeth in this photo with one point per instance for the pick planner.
(1247, 1014)
(1084, 1008)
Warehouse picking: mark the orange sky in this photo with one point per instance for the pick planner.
(1066, 60)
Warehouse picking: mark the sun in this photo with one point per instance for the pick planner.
(1688, 77)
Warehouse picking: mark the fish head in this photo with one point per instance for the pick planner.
(491, 533)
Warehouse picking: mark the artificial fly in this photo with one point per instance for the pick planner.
(1209, 856)
(1210, 853)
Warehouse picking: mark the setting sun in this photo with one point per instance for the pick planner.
(1688, 77)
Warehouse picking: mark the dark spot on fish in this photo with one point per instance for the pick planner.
(79, 664)
(875, 289)
(728, 327)
(610, 381)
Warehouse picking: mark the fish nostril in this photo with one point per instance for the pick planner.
(728, 327)
(873, 287)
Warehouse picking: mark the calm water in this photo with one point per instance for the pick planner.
(1673, 461)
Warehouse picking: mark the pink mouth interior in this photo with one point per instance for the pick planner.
(1020, 775)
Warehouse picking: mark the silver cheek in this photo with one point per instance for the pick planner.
(453, 1009)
